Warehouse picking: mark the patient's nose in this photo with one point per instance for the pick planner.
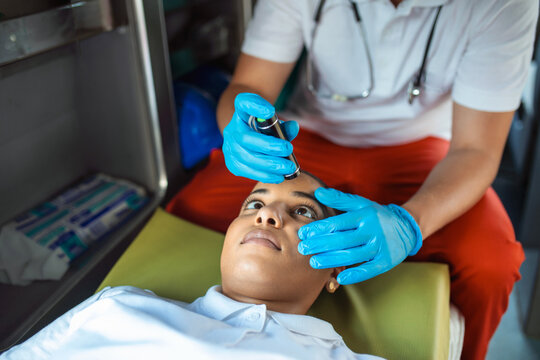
(269, 215)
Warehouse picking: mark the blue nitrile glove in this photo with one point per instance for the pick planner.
(378, 237)
(254, 155)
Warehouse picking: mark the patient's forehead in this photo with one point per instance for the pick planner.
(302, 182)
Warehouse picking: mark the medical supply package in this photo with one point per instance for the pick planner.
(40, 244)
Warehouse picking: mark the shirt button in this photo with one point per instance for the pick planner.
(254, 316)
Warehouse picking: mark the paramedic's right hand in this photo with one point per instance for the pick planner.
(254, 155)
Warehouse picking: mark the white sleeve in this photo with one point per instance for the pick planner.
(275, 31)
(494, 67)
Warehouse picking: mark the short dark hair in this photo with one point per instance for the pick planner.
(316, 178)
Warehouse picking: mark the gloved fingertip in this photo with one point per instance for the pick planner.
(344, 279)
(251, 98)
(292, 167)
(322, 190)
(315, 263)
(291, 129)
(323, 193)
(274, 180)
(254, 104)
(348, 278)
(304, 232)
(301, 248)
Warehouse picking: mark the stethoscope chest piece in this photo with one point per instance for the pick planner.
(414, 91)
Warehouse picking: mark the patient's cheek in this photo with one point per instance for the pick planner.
(249, 269)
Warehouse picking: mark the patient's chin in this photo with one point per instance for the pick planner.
(249, 278)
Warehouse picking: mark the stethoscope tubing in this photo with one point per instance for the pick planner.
(415, 86)
(420, 77)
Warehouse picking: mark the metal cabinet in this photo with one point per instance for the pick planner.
(84, 87)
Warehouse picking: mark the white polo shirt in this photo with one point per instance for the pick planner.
(130, 323)
(479, 58)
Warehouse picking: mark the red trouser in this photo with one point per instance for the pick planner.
(480, 246)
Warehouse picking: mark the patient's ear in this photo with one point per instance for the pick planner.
(332, 283)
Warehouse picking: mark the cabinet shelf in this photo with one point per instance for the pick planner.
(42, 296)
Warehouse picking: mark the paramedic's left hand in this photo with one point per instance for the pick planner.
(378, 237)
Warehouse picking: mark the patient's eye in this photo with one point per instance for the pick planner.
(305, 211)
(254, 205)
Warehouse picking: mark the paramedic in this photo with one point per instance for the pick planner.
(366, 132)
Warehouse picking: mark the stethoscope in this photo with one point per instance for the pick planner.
(415, 85)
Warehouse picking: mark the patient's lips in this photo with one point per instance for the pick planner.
(262, 237)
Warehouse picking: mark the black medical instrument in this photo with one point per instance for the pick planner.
(272, 127)
(415, 85)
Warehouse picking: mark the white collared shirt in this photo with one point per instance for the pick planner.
(127, 322)
(479, 57)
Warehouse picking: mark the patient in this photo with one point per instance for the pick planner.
(257, 313)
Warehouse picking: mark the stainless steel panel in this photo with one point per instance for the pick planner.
(29, 35)
(158, 72)
(115, 127)
(39, 135)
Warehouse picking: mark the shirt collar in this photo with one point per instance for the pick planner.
(424, 3)
(306, 325)
(218, 306)
(404, 9)
(408, 4)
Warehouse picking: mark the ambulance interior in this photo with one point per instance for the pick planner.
(112, 87)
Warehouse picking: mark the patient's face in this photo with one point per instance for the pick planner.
(260, 259)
